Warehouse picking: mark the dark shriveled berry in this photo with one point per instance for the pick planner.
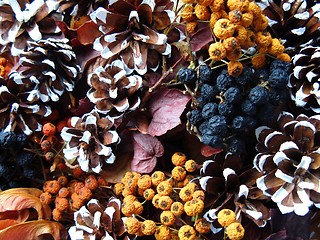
(232, 95)
(186, 75)
(205, 73)
(226, 108)
(209, 110)
(248, 108)
(258, 95)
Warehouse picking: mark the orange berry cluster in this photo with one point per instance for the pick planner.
(176, 197)
(69, 196)
(233, 229)
(236, 25)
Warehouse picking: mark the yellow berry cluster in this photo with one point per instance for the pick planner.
(233, 229)
(236, 25)
(68, 196)
(175, 196)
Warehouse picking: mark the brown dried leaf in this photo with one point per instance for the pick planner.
(33, 230)
(19, 199)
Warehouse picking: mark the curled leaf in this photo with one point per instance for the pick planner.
(19, 199)
(33, 230)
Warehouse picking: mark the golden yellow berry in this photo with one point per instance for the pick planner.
(129, 198)
(193, 207)
(263, 39)
(165, 202)
(202, 12)
(202, 225)
(191, 26)
(157, 177)
(164, 188)
(247, 19)
(167, 218)
(187, 179)
(205, 2)
(148, 227)
(223, 28)
(242, 5)
(260, 23)
(226, 217)
(235, 16)
(235, 231)
(178, 159)
(259, 61)
(132, 225)
(199, 194)
(217, 51)
(235, 68)
(284, 57)
(217, 5)
(276, 47)
(187, 13)
(178, 173)
(144, 182)
(127, 191)
(57, 215)
(177, 208)
(117, 188)
(155, 200)
(191, 165)
(187, 232)
(214, 17)
(254, 8)
(148, 194)
(62, 204)
(128, 209)
(138, 207)
(162, 233)
(46, 198)
(185, 193)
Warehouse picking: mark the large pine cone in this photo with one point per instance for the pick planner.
(294, 22)
(230, 187)
(98, 221)
(133, 29)
(49, 68)
(304, 82)
(18, 112)
(89, 140)
(112, 91)
(289, 160)
(27, 20)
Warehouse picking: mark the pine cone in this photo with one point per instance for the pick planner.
(295, 22)
(289, 160)
(229, 187)
(18, 112)
(304, 82)
(112, 92)
(89, 141)
(98, 221)
(48, 69)
(132, 29)
(25, 20)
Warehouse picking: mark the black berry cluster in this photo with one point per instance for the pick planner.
(17, 167)
(228, 109)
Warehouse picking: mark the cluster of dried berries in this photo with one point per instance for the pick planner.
(176, 200)
(237, 26)
(69, 195)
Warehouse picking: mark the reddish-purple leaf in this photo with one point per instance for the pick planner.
(208, 151)
(166, 106)
(146, 150)
(201, 37)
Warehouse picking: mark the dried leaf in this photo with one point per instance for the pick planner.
(201, 37)
(7, 223)
(19, 216)
(146, 150)
(33, 230)
(19, 199)
(166, 106)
